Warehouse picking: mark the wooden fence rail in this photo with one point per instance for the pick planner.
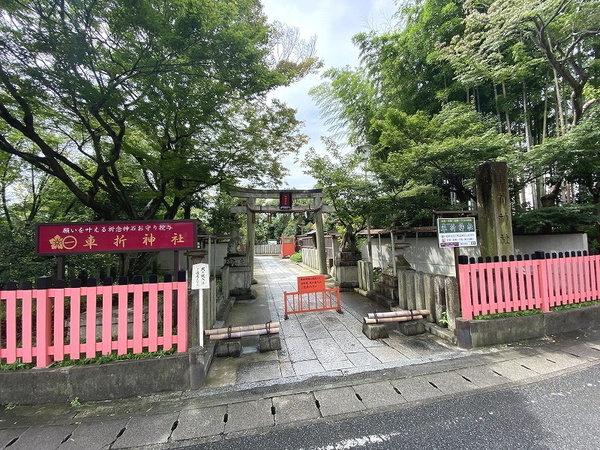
(539, 281)
(47, 324)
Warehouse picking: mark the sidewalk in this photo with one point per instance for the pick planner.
(326, 369)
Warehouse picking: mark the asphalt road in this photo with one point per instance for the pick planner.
(557, 413)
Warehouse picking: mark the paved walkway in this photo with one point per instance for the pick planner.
(323, 343)
(299, 385)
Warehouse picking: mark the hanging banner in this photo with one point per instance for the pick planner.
(115, 237)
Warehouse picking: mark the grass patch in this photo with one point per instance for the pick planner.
(112, 357)
(575, 305)
(87, 361)
(528, 312)
(17, 366)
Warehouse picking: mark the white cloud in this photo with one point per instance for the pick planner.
(334, 22)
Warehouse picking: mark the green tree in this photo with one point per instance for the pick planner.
(138, 106)
(345, 186)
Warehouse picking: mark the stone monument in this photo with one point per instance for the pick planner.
(346, 263)
(494, 211)
(237, 273)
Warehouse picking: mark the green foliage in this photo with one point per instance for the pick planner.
(575, 305)
(527, 312)
(16, 366)
(75, 402)
(136, 108)
(19, 261)
(557, 219)
(296, 257)
(110, 357)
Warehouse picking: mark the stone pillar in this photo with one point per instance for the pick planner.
(494, 211)
(250, 236)
(320, 236)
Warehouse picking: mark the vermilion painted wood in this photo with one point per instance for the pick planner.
(75, 349)
(107, 316)
(90, 322)
(182, 315)
(27, 327)
(50, 321)
(466, 276)
(122, 316)
(11, 326)
(528, 284)
(167, 315)
(59, 317)
(138, 316)
(152, 290)
(323, 300)
(43, 327)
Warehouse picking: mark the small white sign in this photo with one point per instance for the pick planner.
(200, 276)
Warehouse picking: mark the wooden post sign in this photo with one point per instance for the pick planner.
(200, 281)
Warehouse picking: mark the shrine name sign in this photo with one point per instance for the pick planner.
(115, 237)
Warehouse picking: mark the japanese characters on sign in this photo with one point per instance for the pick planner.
(285, 200)
(200, 276)
(313, 283)
(457, 232)
(114, 237)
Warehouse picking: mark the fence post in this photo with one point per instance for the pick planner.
(464, 282)
(542, 281)
(43, 322)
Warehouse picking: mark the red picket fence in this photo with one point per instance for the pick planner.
(312, 296)
(522, 283)
(49, 324)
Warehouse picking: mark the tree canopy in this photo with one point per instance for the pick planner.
(136, 107)
(459, 83)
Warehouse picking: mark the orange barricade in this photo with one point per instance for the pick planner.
(312, 295)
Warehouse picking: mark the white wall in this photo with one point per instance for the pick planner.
(424, 254)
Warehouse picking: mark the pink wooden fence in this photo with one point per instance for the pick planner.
(517, 284)
(49, 324)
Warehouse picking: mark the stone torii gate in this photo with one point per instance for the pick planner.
(286, 205)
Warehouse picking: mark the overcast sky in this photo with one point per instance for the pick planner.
(334, 22)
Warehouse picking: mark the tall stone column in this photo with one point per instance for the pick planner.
(317, 203)
(251, 235)
(494, 211)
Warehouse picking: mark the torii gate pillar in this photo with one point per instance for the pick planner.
(251, 209)
(251, 235)
(320, 236)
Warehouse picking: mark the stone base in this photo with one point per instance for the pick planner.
(346, 276)
(412, 327)
(269, 342)
(375, 330)
(229, 347)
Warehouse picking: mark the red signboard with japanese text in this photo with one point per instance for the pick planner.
(115, 237)
(312, 283)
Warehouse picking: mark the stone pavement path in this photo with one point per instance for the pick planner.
(315, 343)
